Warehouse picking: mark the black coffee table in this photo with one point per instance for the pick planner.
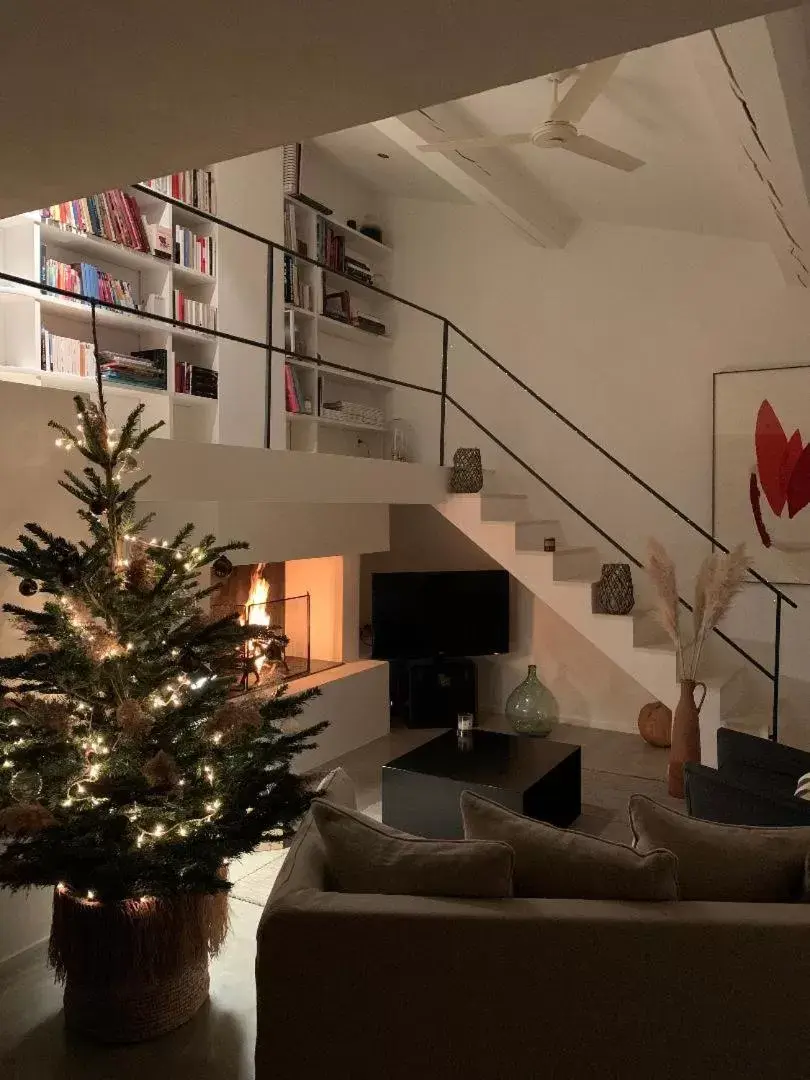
(537, 777)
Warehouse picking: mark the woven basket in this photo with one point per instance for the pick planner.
(132, 1011)
(467, 477)
(613, 594)
(134, 970)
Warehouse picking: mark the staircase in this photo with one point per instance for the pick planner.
(743, 679)
(502, 526)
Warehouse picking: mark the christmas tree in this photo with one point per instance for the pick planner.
(128, 768)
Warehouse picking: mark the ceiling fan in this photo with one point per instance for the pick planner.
(558, 132)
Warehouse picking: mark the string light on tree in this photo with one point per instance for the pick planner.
(121, 782)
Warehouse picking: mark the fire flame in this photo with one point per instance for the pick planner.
(256, 613)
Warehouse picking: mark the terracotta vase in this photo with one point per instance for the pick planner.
(655, 724)
(685, 735)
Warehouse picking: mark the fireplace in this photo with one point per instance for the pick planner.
(284, 597)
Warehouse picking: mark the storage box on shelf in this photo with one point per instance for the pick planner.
(327, 315)
(139, 254)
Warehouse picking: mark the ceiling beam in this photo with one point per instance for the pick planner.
(485, 176)
(757, 77)
(90, 102)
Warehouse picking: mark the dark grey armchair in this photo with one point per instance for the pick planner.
(753, 784)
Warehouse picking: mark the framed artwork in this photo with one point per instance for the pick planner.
(761, 468)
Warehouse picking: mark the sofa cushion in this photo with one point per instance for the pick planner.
(338, 787)
(365, 856)
(725, 862)
(559, 863)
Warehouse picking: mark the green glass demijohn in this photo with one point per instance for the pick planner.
(531, 708)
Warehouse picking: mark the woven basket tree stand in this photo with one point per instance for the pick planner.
(137, 969)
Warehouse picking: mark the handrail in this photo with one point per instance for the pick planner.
(615, 461)
(597, 528)
(488, 356)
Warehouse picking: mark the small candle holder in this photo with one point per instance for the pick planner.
(465, 722)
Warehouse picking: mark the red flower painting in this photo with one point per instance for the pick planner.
(783, 468)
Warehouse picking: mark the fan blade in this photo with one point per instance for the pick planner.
(444, 145)
(586, 90)
(598, 151)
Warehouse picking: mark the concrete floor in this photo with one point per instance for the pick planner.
(218, 1043)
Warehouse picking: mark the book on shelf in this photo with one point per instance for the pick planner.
(293, 293)
(331, 246)
(291, 168)
(194, 312)
(145, 368)
(193, 186)
(111, 215)
(160, 240)
(370, 325)
(290, 332)
(192, 251)
(357, 270)
(291, 390)
(68, 356)
(88, 280)
(195, 380)
(290, 227)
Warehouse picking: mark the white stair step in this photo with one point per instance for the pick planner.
(577, 564)
(531, 535)
(505, 508)
(647, 630)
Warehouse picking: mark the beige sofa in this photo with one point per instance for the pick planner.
(365, 987)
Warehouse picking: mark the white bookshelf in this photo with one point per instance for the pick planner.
(309, 331)
(25, 311)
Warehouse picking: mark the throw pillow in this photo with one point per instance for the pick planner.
(365, 856)
(803, 787)
(552, 862)
(337, 786)
(724, 862)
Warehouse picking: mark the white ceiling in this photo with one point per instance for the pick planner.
(90, 101)
(357, 149)
(654, 107)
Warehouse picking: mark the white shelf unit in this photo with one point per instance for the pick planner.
(25, 311)
(310, 332)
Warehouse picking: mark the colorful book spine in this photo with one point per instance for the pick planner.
(194, 312)
(111, 215)
(292, 399)
(193, 186)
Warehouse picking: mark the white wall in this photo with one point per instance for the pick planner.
(25, 919)
(323, 178)
(354, 700)
(621, 331)
(280, 531)
(248, 195)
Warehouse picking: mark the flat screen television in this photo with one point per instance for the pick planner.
(441, 613)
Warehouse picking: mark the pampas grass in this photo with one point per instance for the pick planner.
(719, 581)
(661, 569)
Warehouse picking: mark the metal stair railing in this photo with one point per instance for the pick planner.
(269, 347)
